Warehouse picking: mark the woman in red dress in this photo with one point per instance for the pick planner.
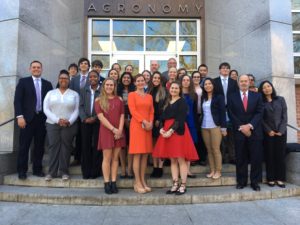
(175, 141)
(110, 110)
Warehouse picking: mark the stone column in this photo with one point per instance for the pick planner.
(254, 37)
(48, 31)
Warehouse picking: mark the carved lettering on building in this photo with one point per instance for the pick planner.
(149, 9)
(184, 9)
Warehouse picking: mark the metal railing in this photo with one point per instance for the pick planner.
(293, 127)
(6, 122)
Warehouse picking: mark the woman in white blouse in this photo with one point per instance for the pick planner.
(61, 107)
(213, 124)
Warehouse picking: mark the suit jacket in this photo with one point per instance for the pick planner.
(275, 115)
(85, 103)
(25, 97)
(232, 87)
(75, 83)
(218, 110)
(253, 115)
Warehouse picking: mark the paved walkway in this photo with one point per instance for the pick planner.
(274, 212)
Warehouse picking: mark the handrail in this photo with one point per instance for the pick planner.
(295, 128)
(6, 122)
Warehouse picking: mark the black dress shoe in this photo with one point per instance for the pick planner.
(255, 187)
(240, 186)
(22, 176)
(39, 174)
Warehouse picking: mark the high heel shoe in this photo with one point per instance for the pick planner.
(174, 188)
(217, 175)
(139, 190)
(280, 184)
(181, 190)
(147, 189)
(210, 175)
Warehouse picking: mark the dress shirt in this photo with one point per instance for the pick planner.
(208, 121)
(61, 106)
(93, 98)
(242, 94)
(81, 77)
(242, 97)
(40, 83)
(199, 94)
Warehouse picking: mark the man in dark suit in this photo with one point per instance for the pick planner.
(225, 86)
(77, 83)
(28, 103)
(245, 111)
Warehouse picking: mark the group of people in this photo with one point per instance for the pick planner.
(171, 115)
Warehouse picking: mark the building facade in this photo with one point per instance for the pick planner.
(253, 36)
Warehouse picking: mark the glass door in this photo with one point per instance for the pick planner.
(137, 61)
(162, 61)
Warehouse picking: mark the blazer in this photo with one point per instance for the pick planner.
(232, 87)
(75, 83)
(218, 110)
(25, 97)
(275, 115)
(85, 103)
(253, 115)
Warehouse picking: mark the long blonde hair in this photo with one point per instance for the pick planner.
(103, 98)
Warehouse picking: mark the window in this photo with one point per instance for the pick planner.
(110, 38)
(296, 34)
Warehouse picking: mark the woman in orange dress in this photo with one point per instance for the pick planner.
(140, 141)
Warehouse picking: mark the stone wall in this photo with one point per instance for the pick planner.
(48, 31)
(254, 37)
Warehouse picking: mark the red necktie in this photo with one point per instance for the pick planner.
(245, 101)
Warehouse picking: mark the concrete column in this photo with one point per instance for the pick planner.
(48, 31)
(254, 37)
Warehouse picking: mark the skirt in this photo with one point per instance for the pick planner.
(176, 146)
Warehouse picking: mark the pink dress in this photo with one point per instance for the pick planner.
(106, 137)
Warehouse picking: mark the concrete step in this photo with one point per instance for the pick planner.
(77, 182)
(78, 196)
(227, 168)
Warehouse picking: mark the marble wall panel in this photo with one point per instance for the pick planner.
(9, 9)
(8, 47)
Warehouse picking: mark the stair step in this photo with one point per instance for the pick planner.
(226, 168)
(77, 182)
(78, 196)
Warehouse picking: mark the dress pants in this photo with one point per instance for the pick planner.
(227, 145)
(275, 148)
(60, 148)
(91, 158)
(253, 149)
(34, 130)
(212, 138)
(77, 150)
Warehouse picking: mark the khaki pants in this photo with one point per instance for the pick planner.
(212, 138)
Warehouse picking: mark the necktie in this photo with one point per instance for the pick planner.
(245, 101)
(82, 82)
(38, 106)
(225, 89)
